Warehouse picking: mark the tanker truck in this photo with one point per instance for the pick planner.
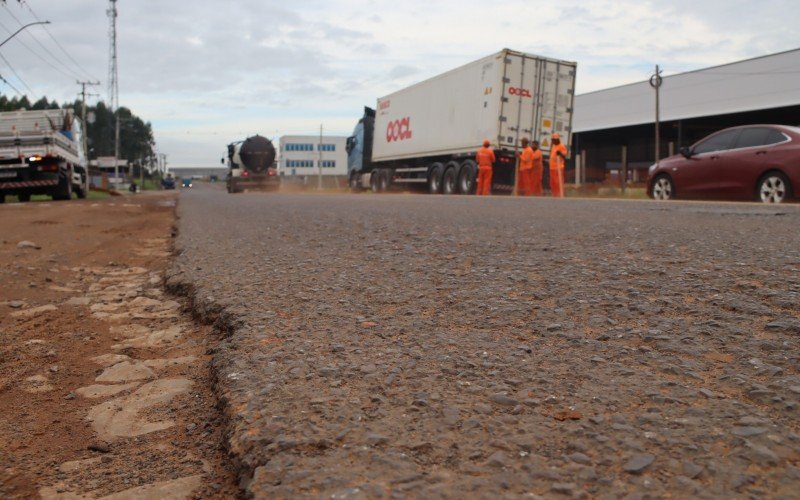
(251, 165)
(426, 135)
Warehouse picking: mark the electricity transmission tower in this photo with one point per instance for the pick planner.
(113, 83)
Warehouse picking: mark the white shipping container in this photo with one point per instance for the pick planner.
(503, 97)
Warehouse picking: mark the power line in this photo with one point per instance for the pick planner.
(69, 56)
(33, 94)
(13, 87)
(69, 72)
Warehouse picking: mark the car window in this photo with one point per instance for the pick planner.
(750, 137)
(719, 142)
(774, 137)
(759, 136)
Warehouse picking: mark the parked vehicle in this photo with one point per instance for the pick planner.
(754, 162)
(41, 153)
(168, 182)
(427, 134)
(251, 164)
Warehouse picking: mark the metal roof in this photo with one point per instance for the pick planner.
(761, 83)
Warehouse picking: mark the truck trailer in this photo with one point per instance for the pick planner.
(427, 134)
(251, 165)
(41, 153)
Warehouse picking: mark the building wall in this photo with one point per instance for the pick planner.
(762, 90)
(299, 155)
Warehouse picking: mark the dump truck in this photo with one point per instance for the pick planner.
(41, 153)
(251, 165)
(427, 134)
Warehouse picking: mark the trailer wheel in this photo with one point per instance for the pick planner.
(449, 180)
(24, 197)
(2, 198)
(466, 177)
(435, 178)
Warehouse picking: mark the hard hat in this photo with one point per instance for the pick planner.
(487, 143)
(556, 136)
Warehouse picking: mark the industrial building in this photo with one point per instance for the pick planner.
(301, 156)
(692, 105)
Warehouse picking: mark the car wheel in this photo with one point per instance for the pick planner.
(663, 189)
(774, 188)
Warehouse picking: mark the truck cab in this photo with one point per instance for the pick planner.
(359, 151)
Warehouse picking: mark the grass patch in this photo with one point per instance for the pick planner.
(98, 195)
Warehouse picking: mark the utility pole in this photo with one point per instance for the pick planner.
(655, 82)
(83, 118)
(113, 83)
(319, 162)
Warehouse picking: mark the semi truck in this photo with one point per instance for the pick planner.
(426, 135)
(41, 153)
(251, 165)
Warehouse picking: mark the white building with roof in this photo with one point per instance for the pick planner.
(692, 105)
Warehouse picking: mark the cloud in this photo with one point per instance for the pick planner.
(204, 71)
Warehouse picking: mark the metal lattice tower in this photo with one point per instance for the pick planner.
(113, 83)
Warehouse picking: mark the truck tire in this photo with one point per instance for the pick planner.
(373, 181)
(435, 178)
(450, 178)
(384, 180)
(466, 177)
(64, 189)
(80, 191)
(355, 182)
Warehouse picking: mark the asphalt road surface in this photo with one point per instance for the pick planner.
(391, 345)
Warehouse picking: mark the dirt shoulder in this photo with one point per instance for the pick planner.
(105, 384)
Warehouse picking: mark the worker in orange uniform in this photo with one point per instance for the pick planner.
(558, 154)
(485, 159)
(525, 184)
(538, 170)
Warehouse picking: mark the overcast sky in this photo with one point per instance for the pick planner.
(206, 73)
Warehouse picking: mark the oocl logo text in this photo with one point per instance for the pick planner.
(398, 130)
(519, 91)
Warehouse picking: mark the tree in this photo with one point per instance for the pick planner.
(136, 135)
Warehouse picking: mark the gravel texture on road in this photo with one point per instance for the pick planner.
(393, 345)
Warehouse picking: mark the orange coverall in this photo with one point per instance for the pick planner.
(525, 185)
(557, 170)
(485, 159)
(537, 172)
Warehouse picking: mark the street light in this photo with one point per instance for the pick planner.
(15, 33)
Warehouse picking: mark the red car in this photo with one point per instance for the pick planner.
(754, 162)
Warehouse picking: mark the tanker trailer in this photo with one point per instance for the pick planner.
(251, 165)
